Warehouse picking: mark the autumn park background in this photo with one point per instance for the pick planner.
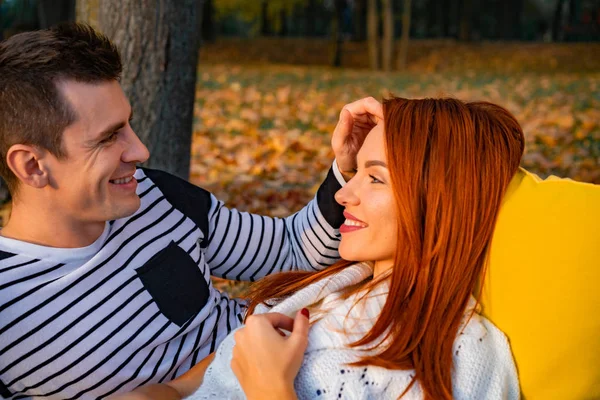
(268, 79)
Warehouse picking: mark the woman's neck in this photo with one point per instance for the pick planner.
(380, 267)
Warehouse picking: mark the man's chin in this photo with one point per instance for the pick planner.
(125, 211)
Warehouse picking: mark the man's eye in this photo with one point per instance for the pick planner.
(111, 138)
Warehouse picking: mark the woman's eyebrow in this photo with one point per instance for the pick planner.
(372, 163)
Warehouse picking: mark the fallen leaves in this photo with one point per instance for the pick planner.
(262, 135)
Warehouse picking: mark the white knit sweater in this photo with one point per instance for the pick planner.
(483, 364)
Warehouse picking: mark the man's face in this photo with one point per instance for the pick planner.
(94, 182)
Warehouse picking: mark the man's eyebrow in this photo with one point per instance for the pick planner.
(372, 163)
(114, 127)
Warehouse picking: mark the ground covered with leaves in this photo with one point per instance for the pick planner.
(262, 133)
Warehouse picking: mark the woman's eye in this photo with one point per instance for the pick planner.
(374, 180)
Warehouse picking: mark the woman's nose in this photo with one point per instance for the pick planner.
(346, 195)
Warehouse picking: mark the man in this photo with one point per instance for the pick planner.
(104, 267)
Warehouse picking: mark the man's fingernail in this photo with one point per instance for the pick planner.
(305, 312)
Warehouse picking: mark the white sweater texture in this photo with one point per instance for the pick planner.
(483, 363)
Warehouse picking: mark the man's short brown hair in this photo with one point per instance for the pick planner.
(32, 109)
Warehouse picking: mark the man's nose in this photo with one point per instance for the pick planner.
(136, 151)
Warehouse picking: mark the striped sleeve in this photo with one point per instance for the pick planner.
(245, 246)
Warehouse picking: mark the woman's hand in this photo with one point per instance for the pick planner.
(264, 360)
(356, 121)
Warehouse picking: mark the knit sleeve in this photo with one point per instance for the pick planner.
(483, 364)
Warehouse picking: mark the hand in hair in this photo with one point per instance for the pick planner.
(265, 361)
(356, 121)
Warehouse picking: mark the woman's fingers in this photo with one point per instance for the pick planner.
(300, 330)
(275, 320)
(266, 363)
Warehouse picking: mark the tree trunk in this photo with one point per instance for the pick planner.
(87, 11)
(464, 33)
(509, 19)
(209, 32)
(265, 26)
(373, 33)
(336, 32)
(388, 35)
(53, 12)
(403, 52)
(359, 20)
(310, 12)
(557, 24)
(158, 41)
(283, 26)
(431, 18)
(574, 7)
(446, 12)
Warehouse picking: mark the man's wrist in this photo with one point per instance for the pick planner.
(341, 176)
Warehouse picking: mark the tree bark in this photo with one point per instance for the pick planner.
(464, 33)
(209, 33)
(53, 12)
(403, 51)
(265, 24)
(557, 23)
(336, 32)
(359, 20)
(310, 12)
(388, 35)
(574, 7)
(283, 27)
(446, 15)
(431, 18)
(373, 34)
(509, 19)
(87, 11)
(159, 42)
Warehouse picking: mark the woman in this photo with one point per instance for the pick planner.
(398, 318)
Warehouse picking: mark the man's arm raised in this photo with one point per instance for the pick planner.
(243, 246)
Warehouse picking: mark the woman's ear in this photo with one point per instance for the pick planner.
(24, 161)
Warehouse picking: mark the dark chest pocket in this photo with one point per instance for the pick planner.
(176, 283)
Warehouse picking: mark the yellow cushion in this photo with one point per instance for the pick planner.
(543, 285)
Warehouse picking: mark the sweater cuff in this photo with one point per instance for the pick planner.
(330, 209)
(337, 173)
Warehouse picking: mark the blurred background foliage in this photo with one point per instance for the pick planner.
(473, 20)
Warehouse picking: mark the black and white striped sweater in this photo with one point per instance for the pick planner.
(137, 306)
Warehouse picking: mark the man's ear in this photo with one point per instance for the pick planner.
(24, 161)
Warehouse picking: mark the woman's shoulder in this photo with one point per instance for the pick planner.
(483, 362)
(480, 336)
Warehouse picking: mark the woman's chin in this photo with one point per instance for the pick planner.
(350, 254)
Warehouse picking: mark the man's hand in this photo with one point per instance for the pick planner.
(356, 121)
(264, 360)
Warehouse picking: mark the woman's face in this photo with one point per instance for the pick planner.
(370, 230)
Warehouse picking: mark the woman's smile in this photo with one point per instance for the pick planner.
(351, 223)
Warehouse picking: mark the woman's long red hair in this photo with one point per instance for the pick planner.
(450, 163)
